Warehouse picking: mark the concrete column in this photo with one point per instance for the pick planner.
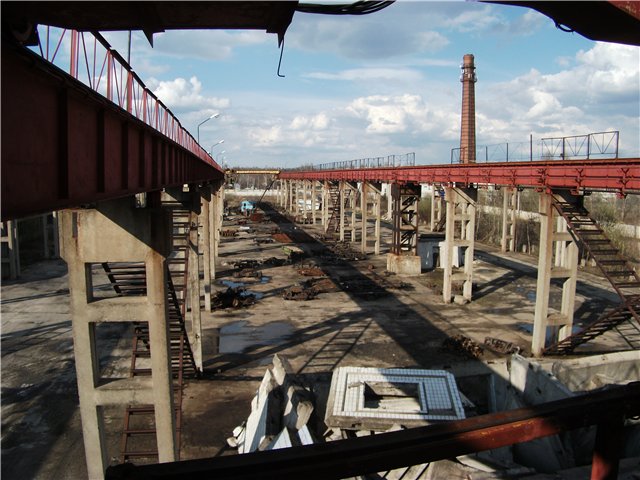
(461, 210)
(436, 207)
(509, 216)
(364, 215)
(325, 204)
(558, 259)
(376, 194)
(193, 280)
(10, 238)
(205, 243)
(342, 187)
(115, 232)
(314, 192)
(353, 198)
(543, 286)
(389, 203)
(298, 193)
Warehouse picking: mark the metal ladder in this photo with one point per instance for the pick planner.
(138, 435)
(618, 271)
(333, 225)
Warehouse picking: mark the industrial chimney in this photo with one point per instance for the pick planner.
(468, 124)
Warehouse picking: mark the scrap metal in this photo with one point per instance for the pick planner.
(463, 345)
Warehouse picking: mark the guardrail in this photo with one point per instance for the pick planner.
(405, 160)
(576, 147)
(90, 59)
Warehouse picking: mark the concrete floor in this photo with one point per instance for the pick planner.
(393, 327)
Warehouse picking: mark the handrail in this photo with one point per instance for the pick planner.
(94, 62)
(346, 458)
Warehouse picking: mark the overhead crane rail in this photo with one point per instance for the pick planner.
(620, 175)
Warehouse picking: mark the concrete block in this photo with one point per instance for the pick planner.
(404, 264)
(281, 368)
(298, 407)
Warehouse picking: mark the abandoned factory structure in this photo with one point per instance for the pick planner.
(315, 328)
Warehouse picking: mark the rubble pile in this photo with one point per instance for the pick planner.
(300, 292)
(233, 297)
(464, 346)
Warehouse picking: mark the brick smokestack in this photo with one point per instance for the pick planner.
(468, 124)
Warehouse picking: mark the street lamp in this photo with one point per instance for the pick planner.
(215, 145)
(215, 115)
(218, 156)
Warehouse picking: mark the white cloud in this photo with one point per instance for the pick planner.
(180, 94)
(369, 74)
(207, 44)
(316, 122)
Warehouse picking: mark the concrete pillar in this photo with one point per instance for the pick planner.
(193, 281)
(558, 259)
(342, 188)
(298, 193)
(10, 239)
(326, 199)
(205, 245)
(116, 232)
(389, 216)
(364, 215)
(374, 191)
(437, 208)
(353, 199)
(314, 191)
(461, 211)
(403, 257)
(509, 216)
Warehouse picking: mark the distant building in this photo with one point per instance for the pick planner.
(247, 207)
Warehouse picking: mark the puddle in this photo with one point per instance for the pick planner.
(245, 292)
(528, 328)
(237, 336)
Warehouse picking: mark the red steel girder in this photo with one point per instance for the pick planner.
(620, 175)
(64, 145)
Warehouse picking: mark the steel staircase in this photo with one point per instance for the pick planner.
(138, 435)
(618, 271)
(333, 225)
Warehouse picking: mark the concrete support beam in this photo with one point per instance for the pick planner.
(326, 200)
(403, 257)
(437, 207)
(116, 232)
(10, 239)
(193, 280)
(371, 197)
(558, 258)
(510, 207)
(314, 200)
(364, 215)
(459, 232)
(205, 244)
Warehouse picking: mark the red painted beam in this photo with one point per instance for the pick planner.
(64, 145)
(619, 175)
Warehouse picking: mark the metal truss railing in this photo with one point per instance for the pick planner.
(405, 160)
(90, 59)
(576, 147)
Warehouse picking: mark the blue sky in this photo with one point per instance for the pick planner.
(388, 83)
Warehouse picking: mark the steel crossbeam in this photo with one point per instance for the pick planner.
(621, 175)
(64, 145)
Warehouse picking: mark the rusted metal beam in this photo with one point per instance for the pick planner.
(64, 145)
(346, 458)
(621, 175)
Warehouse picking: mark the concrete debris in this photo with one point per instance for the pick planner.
(463, 346)
(248, 273)
(501, 346)
(311, 272)
(460, 300)
(279, 414)
(236, 297)
(300, 292)
(263, 240)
